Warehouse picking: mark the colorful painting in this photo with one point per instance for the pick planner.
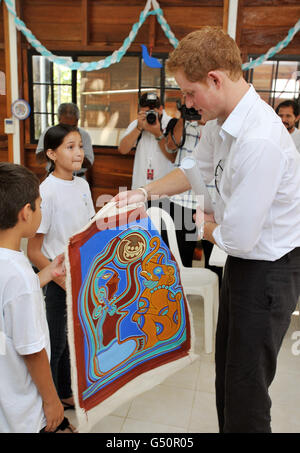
(127, 311)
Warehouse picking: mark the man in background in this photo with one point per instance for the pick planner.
(289, 114)
(68, 113)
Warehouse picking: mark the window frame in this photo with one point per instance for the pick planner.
(278, 59)
(98, 55)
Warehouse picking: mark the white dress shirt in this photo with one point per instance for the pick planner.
(296, 137)
(258, 187)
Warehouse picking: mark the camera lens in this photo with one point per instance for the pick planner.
(151, 116)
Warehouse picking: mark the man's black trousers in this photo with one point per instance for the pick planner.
(256, 303)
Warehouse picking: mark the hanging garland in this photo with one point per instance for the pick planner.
(276, 49)
(117, 55)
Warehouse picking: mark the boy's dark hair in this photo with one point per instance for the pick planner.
(150, 100)
(289, 103)
(18, 186)
(53, 139)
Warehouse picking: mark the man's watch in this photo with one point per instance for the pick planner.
(201, 231)
(158, 139)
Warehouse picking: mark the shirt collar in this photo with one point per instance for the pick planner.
(233, 123)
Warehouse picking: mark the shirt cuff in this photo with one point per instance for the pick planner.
(32, 348)
(217, 237)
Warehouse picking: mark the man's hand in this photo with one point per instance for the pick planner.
(200, 217)
(141, 120)
(154, 129)
(129, 197)
(206, 223)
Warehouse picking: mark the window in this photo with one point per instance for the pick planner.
(107, 99)
(276, 80)
(51, 85)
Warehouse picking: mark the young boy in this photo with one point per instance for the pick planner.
(28, 399)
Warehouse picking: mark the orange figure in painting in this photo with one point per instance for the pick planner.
(158, 314)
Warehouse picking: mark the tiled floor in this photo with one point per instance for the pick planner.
(185, 402)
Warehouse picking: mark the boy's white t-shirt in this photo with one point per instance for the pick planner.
(23, 330)
(67, 207)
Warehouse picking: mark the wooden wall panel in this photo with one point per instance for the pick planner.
(192, 19)
(269, 16)
(3, 151)
(53, 20)
(263, 24)
(110, 171)
(107, 27)
(30, 162)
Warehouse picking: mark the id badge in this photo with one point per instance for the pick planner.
(150, 174)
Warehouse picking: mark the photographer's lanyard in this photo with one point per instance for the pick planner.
(150, 169)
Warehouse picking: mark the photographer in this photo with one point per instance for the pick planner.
(145, 134)
(183, 135)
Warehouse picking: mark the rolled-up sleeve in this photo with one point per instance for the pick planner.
(47, 212)
(24, 326)
(204, 152)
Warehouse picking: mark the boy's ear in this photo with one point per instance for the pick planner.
(25, 213)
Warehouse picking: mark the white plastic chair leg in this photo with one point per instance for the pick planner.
(208, 300)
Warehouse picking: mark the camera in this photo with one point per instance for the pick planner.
(151, 116)
(188, 114)
(152, 101)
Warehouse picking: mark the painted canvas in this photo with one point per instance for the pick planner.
(128, 318)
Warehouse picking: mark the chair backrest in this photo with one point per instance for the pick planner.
(157, 215)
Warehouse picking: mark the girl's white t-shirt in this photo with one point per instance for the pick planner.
(67, 207)
(23, 330)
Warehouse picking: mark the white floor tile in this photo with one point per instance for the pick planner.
(206, 377)
(285, 389)
(285, 419)
(161, 405)
(204, 415)
(109, 424)
(185, 378)
(122, 411)
(140, 426)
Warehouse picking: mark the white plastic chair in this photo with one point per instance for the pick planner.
(195, 280)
